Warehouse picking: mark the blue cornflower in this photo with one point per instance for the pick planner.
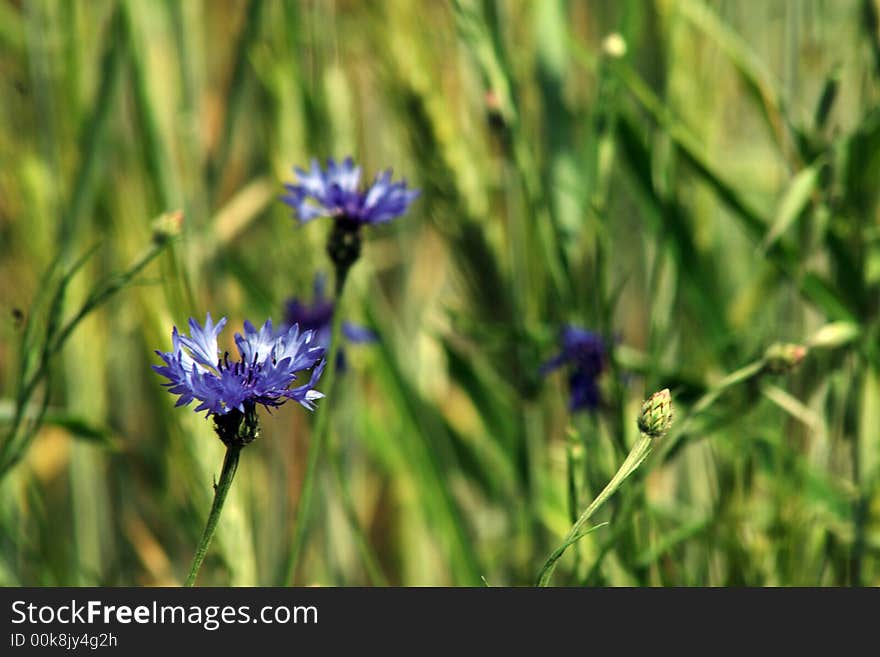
(267, 366)
(585, 352)
(317, 316)
(336, 193)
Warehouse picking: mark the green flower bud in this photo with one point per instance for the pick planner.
(835, 334)
(782, 357)
(167, 225)
(614, 45)
(657, 413)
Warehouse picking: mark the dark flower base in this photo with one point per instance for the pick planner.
(344, 247)
(237, 429)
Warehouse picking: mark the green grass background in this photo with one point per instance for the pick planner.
(704, 194)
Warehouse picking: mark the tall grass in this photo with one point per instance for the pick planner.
(697, 188)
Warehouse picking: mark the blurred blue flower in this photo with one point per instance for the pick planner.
(584, 351)
(336, 193)
(267, 366)
(317, 316)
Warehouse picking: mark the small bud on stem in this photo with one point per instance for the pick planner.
(657, 413)
(614, 46)
(167, 225)
(783, 357)
(654, 421)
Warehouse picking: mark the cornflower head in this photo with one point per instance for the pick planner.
(317, 316)
(586, 355)
(336, 192)
(229, 390)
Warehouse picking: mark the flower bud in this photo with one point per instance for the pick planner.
(835, 334)
(782, 357)
(167, 225)
(657, 413)
(614, 45)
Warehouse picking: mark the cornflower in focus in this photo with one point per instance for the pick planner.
(230, 390)
(268, 363)
(585, 354)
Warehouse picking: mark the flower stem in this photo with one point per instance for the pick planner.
(637, 454)
(371, 564)
(318, 436)
(20, 433)
(230, 465)
(742, 375)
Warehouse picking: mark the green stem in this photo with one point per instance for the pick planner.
(637, 454)
(737, 377)
(573, 493)
(318, 437)
(535, 448)
(374, 571)
(16, 440)
(572, 482)
(230, 465)
(674, 439)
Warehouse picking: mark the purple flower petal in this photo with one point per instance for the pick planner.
(336, 192)
(585, 352)
(268, 366)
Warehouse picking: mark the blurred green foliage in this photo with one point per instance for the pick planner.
(696, 180)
